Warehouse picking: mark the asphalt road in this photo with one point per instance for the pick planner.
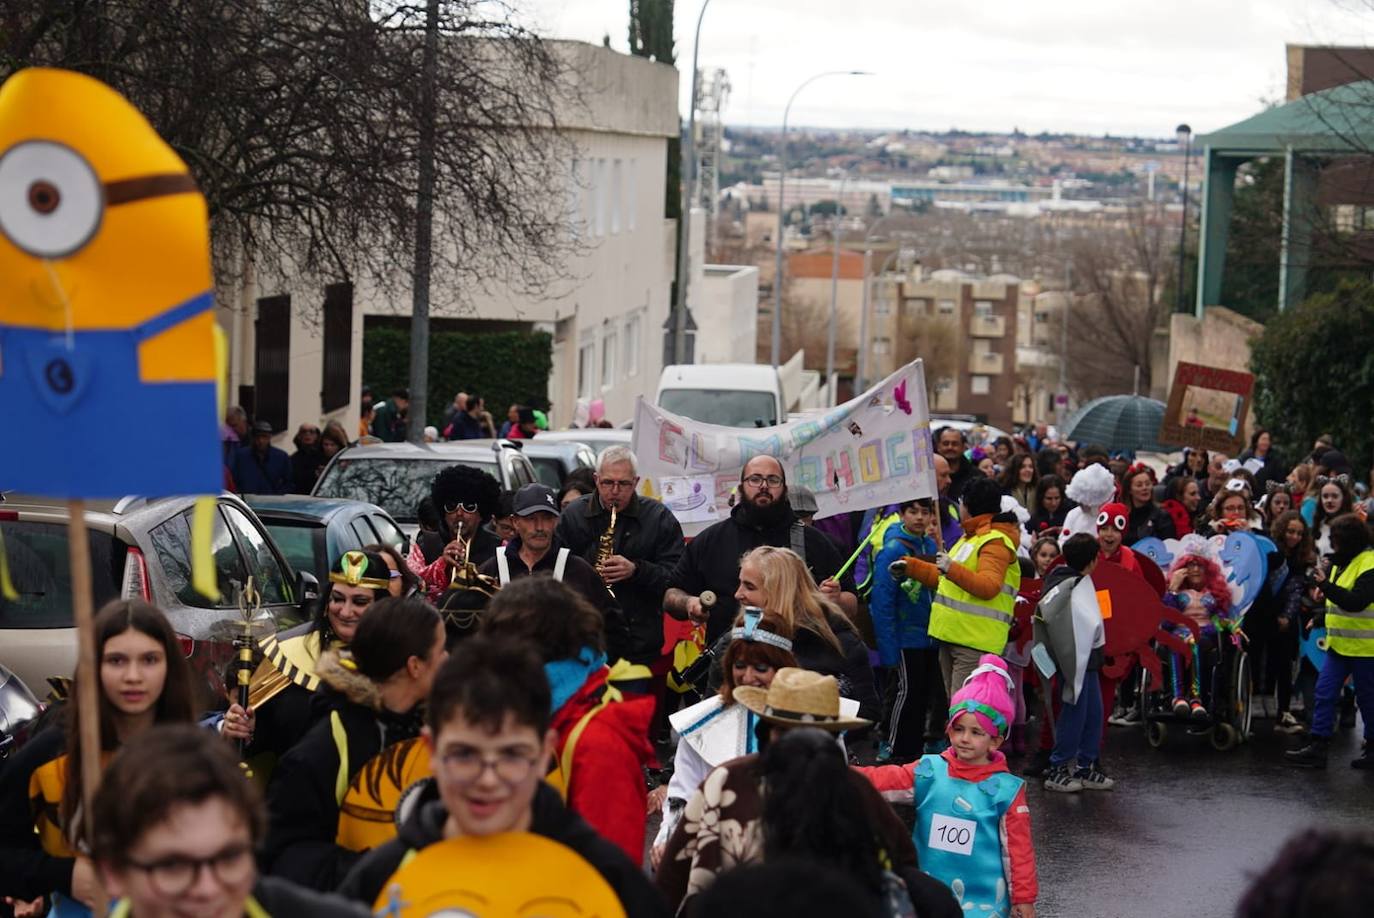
(1186, 827)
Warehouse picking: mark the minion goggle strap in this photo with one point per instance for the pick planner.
(353, 572)
(752, 632)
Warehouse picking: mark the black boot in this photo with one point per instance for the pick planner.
(1365, 762)
(1313, 755)
(1347, 720)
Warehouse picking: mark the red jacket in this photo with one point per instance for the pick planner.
(897, 783)
(606, 786)
(1124, 557)
(1183, 521)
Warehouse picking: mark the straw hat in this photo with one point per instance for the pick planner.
(799, 698)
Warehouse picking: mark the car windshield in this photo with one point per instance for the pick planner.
(296, 541)
(726, 407)
(41, 571)
(395, 485)
(549, 471)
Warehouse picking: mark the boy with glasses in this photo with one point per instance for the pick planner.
(489, 735)
(176, 823)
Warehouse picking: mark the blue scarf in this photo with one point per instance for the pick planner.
(567, 676)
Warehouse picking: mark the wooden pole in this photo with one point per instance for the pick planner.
(87, 680)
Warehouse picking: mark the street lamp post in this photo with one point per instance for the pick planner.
(782, 208)
(837, 230)
(688, 170)
(1185, 138)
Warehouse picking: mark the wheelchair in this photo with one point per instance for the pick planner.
(1227, 690)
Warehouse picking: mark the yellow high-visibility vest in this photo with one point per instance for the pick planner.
(1351, 634)
(959, 617)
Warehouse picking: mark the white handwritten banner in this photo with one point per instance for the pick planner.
(871, 451)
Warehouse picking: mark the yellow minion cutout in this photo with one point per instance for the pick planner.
(105, 296)
(511, 875)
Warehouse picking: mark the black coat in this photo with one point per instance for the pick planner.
(549, 818)
(1149, 520)
(711, 562)
(305, 468)
(26, 870)
(649, 535)
(303, 814)
(577, 574)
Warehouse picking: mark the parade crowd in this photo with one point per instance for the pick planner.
(737, 724)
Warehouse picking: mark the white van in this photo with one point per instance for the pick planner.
(728, 394)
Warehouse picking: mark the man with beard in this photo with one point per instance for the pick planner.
(762, 517)
(536, 550)
(950, 443)
(645, 546)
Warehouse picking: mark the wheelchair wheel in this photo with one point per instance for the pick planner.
(1224, 737)
(1243, 691)
(1142, 695)
(1156, 734)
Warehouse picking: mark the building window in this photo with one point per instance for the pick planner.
(586, 369)
(599, 190)
(983, 309)
(978, 385)
(945, 307)
(882, 306)
(631, 361)
(272, 361)
(1042, 318)
(882, 345)
(608, 345)
(576, 212)
(631, 196)
(336, 389)
(615, 197)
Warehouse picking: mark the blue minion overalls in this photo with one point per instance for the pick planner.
(958, 834)
(70, 393)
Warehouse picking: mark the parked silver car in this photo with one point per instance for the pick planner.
(141, 548)
(395, 476)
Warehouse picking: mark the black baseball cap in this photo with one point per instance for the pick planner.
(535, 498)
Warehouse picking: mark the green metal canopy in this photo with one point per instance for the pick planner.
(1321, 125)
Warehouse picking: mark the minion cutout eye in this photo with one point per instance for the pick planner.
(51, 200)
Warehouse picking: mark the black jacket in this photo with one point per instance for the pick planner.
(711, 561)
(26, 870)
(305, 468)
(1149, 520)
(649, 535)
(303, 813)
(577, 574)
(550, 818)
(960, 477)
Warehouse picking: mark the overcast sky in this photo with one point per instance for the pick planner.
(1089, 66)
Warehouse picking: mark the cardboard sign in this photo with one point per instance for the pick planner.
(872, 451)
(1207, 409)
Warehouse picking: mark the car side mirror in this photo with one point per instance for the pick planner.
(308, 589)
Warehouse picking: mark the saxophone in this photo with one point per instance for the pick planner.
(605, 547)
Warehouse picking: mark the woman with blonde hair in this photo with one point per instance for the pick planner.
(777, 581)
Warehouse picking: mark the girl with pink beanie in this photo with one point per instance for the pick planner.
(973, 827)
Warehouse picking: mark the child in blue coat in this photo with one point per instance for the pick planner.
(900, 608)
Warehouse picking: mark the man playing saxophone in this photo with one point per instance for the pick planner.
(633, 541)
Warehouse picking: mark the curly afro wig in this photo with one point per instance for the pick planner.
(462, 484)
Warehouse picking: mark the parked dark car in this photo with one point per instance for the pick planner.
(314, 531)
